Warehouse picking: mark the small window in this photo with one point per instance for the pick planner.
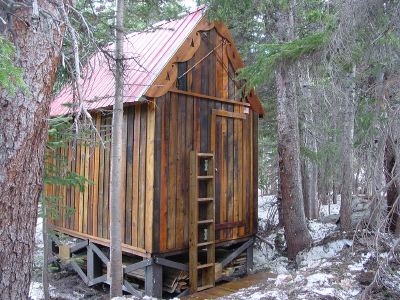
(181, 81)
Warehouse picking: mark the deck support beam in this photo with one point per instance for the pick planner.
(94, 269)
(237, 252)
(153, 280)
(249, 258)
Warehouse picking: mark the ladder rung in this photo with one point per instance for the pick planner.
(205, 221)
(205, 266)
(205, 244)
(205, 154)
(205, 199)
(205, 177)
(204, 287)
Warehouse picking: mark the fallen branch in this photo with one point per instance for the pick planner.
(265, 241)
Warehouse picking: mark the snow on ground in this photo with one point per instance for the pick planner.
(36, 293)
(320, 230)
(325, 271)
(267, 210)
(38, 253)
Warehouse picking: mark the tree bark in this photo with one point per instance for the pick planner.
(393, 186)
(347, 158)
(296, 231)
(305, 176)
(23, 135)
(334, 191)
(116, 164)
(314, 204)
(294, 220)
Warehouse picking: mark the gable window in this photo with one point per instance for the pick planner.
(181, 81)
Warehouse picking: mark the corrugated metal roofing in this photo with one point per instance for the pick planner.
(147, 53)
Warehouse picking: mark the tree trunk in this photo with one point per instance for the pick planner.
(305, 175)
(356, 181)
(294, 220)
(377, 179)
(116, 164)
(296, 231)
(347, 159)
(334, 191)
(393, 186)
(23, 135)
(314, 204)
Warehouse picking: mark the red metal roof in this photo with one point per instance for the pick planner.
(147, 53)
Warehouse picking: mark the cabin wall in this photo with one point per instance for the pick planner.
(183, 124)
(86, 213)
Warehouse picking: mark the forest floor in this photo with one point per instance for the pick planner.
(334, 268)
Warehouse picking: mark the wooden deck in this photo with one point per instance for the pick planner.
(231, 287)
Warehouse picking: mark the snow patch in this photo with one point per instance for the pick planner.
(267, 210)
(36, 293)
(318, 279)
(283, 279)
(358, 266)
(314, 257)
(320, 230)
(325, 291)
(277, 294)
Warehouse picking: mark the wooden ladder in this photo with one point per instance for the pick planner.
(202, 222)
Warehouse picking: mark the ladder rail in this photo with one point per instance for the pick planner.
(206, 177)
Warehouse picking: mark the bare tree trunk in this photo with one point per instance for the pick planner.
(23, 135)
(116, 164)
(305, 175)
(279, 198)
(334, 191)
(294, 220)
(393, 185)
(356, 181)
(322, 190)
(314, 203)
(376, 162)
(296, 231)
(377, 178)
(347, 159)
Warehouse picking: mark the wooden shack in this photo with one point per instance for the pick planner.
(189, 159)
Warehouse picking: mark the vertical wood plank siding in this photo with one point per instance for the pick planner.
(183, 123)
(158, 137)
(175, 116)
(90, 207)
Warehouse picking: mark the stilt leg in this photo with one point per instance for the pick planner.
(249, 259)
(94, 264)
(153, 281)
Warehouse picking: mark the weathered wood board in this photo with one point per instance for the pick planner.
(158, 136)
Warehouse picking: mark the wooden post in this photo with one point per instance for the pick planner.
(153, 280)
(249, 258)
(64, 252)
(94, 263)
